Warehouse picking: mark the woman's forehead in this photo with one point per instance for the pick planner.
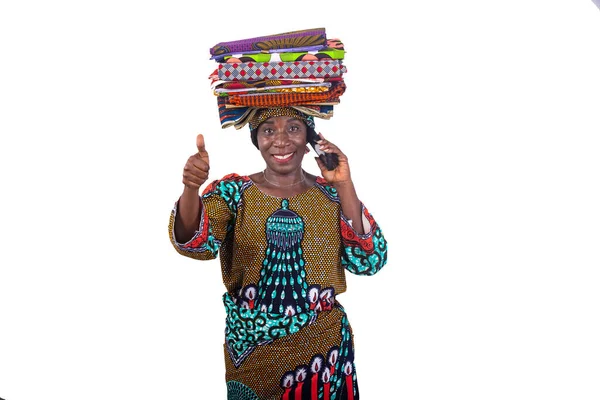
(281, 118)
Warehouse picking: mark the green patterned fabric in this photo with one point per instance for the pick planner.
(239, 391)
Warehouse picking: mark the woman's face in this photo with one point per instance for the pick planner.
(282, 141)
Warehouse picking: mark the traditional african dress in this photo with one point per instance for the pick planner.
(283, 262)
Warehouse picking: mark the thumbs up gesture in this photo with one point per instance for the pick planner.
(195, 172)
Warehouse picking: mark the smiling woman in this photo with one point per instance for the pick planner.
(285, 239)
(281, 140)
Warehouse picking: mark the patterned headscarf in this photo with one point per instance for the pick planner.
(266, 113)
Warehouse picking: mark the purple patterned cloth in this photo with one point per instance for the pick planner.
(287, 40)
(220, 57)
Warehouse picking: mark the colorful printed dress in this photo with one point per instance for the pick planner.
(283, 263)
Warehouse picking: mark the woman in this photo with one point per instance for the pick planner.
(285, 238)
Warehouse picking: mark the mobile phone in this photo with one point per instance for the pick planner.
(329, 159)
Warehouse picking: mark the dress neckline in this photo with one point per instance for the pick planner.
(308, 190)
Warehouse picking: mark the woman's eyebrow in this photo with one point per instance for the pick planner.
(290, 119)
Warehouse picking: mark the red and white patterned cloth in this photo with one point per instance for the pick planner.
(253, 71)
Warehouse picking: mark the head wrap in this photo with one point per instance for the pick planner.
(265, 113)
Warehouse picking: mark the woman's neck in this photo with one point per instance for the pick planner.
(282, 191)
(282, 181)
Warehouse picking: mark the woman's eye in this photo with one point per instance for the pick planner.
(268, 131)
(294, 128)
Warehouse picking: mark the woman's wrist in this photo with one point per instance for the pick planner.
(343, 184)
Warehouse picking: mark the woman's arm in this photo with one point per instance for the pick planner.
(195, 173)
(341, 180)
(351, 206)
(364, 248)
(187, 218)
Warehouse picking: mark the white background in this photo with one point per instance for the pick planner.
(472, 130)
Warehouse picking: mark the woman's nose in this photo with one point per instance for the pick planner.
(281, 138)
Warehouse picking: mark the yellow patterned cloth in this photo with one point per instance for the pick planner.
(283, 261)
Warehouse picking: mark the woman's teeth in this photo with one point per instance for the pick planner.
(282, 157)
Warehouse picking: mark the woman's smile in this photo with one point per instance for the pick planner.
(283, 158)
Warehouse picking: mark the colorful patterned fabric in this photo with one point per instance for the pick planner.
(248, 57)
(318, 111)
(308, 38)
(232, 116)
(286, 337)
(238, 116)
(325, 54)
(288, 56)
(268, 83)
(309, 77)
(280, 70)
(300, 87)
(265, 100)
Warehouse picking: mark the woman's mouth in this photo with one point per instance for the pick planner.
(282, 158)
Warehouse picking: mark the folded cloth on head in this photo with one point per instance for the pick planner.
(299, 88)
(273, 85)
(280, 70)
(238, 116)
(302, 70)
(230, 85)
(287, 98)
(328, 53)
(319, 111)
(229, 116)
(309, 38)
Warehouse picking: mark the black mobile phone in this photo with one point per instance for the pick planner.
(329, 159)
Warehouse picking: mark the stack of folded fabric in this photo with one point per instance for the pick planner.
(300, 69)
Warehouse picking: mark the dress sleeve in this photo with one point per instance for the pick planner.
(218, 205)
(363, 254)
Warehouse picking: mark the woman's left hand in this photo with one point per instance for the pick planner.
(341, 174)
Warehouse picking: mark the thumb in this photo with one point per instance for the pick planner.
(200, 143)
(201, 149)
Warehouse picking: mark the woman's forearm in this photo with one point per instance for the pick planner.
(351, 206)
(188, 215)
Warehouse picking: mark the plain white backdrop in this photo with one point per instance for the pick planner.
(472, 130)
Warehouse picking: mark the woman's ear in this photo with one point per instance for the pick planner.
(306, 150)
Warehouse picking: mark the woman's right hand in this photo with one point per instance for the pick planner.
(195, 172)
